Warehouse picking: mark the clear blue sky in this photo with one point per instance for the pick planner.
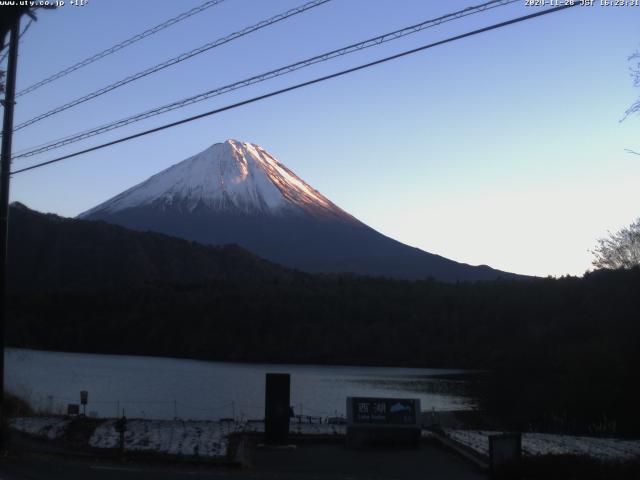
(503, 149)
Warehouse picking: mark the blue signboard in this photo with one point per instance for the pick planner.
(383, 411)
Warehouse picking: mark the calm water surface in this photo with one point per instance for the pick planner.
(154, 387)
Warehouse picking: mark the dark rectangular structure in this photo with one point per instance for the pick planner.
(276, 408)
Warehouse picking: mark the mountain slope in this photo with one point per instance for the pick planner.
(235, 192)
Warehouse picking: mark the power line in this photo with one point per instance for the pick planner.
(24, 30)
(298, 86)
(172, 61)
(371, 42)
(121, 45)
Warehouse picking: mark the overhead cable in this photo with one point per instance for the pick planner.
(371, 42)
(297, 86)
(24, 30)
(173, 61)
(125, 43)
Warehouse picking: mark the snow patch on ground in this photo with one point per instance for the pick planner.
(209, 439)
(172, 437)
(47, 427)
(606, 449)
(201, 438)
(191, 437)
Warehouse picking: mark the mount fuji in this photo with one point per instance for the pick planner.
(237, 193)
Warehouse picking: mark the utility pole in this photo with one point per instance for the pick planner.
(5, 172)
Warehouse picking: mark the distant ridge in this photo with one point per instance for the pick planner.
(49, 252)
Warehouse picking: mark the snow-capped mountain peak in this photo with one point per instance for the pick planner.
(237, 193)
(232, 175)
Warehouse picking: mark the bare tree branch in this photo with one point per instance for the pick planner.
(634, 71)
(620, 249)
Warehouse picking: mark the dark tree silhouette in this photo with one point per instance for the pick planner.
(560, 354)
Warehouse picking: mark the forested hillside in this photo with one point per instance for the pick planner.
(563, 352)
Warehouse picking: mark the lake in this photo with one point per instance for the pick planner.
(163, 388)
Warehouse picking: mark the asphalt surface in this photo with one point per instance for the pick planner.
(306, 462)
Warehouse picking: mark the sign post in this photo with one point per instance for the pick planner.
(383, 421)
(84, 398)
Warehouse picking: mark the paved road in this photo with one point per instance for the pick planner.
(311, 462)
(335, 461)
